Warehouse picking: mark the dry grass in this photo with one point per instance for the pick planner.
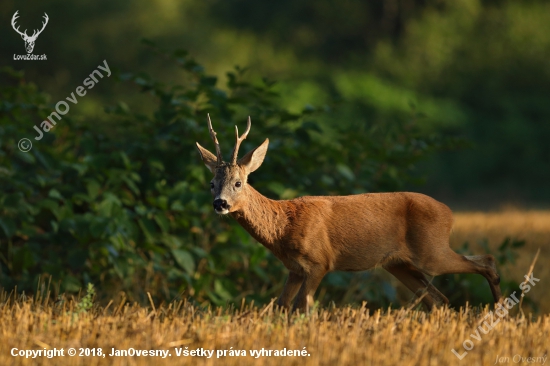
(347, 336)
(531, 226)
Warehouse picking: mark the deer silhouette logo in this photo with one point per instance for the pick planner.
(29, 40)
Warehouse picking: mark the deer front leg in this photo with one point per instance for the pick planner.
(304, 299)
(292, 285)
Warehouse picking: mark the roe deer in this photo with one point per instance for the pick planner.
(405, 233)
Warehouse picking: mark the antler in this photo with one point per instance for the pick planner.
(15, 16)
(24, 34)
(43, 26)
(238, 141)
(215, 139)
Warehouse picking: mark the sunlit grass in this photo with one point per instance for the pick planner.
(331, 336)
(336, 336)
(532, 226)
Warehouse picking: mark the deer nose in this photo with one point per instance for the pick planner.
(220, 205)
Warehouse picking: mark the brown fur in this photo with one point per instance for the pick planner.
(405, 233)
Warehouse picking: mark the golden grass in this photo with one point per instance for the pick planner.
(341, 336)
(532, 226)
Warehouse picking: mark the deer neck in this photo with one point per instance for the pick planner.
(265, 219)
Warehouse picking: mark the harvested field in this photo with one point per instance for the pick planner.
(346, 336)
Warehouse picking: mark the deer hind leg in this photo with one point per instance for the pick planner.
(417, 283)
(452, 262)
(292, 285)
(489, 271)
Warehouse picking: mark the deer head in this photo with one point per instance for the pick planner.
(29, 40)
(229, 187)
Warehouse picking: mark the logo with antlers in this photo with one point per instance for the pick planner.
(29, 40)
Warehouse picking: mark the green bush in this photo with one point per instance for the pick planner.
(126, 204)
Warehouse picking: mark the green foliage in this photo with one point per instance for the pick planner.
(476, 68)
(489, 58)
(126, 203)
(87, 302)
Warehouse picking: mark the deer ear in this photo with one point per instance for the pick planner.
(209, 159)
(253, 159)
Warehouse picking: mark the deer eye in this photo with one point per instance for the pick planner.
(238, 184)
(211, 185)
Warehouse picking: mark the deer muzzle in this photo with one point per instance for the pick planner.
(221, 206)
